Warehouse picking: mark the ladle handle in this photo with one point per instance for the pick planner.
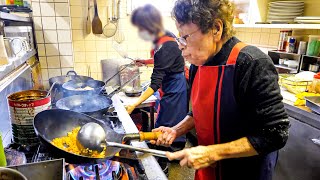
(145, 150)
(149, 135)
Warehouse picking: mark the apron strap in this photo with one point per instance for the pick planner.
(161, 41)
(232, 59)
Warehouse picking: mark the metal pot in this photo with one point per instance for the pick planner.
(314, 67)
(74, 87)
(10, 174)
(57, 91)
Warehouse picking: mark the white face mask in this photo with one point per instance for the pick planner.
(145, 35)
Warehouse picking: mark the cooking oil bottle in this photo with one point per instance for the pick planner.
(3, 161)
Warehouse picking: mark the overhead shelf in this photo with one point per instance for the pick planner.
(280, 26)
(13, 17)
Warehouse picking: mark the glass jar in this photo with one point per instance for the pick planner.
(127, 74)
(315, 86)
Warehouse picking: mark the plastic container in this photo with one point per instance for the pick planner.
(3, 161)
(315, 86)
(313, 45)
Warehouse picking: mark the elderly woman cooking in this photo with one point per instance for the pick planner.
(237, 107)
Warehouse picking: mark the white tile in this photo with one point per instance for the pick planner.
(61, 0)
(66, 61)
(91, 57)
(50, 36)
(78, 46)
(54, 72)
(53, 62)
(65, 48)
(47, 9)
(52, 50)
(77, 23)
(75, 3)
(101, 46)
(49, 23)
(36, 9)
(79, 57)
(64, 71)
(43, 62)
(46, 0)
(46, 85)
(77, 35)
(64, 36)
(37, 23)
(39, 36)
(90, 46)
(63, 22)
(62, 9)
(45, 75)
(41, 50)
(76, 11)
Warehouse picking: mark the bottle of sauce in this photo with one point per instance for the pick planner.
(3, 161)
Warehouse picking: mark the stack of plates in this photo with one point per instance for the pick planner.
(284, 11)
(308, 19)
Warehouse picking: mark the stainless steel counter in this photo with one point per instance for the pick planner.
(152, 168)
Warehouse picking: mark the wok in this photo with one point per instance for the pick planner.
(54, 123)
(95, 105)
(71, 87)
(57, 91)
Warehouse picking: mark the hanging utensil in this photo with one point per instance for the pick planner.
(119, 36)
(96, 22)
(49, 92)
(110, 28)
(88, 22)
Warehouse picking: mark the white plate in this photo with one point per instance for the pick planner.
(307, 21)
(287, 3)
(278, 20)
(308, 18)
(286, 11)
(285, 14)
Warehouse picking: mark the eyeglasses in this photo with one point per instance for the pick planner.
(183, 40)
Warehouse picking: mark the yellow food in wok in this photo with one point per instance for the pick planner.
(69, 144)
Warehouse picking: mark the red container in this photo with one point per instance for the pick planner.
(23, 106)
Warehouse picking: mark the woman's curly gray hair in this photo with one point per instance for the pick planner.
(204, 13)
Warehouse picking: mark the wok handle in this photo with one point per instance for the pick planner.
(141, 136)
(145, 150)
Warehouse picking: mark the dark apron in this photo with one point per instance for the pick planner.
(218, 120)
(173, 106)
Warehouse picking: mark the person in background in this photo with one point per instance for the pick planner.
(237, 107)
(168, 72)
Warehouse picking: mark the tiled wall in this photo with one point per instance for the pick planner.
(53, 34)
(89, 49)
(63, 44)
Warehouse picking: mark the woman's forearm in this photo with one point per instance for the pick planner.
(184, 126)
(234, 149)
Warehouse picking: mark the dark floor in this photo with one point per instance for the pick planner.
(176, 172)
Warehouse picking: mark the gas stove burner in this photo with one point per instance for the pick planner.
(108, 170)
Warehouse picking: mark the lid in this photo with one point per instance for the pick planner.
(317, 76)
(292, 40)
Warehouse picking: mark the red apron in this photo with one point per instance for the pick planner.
(213, 104)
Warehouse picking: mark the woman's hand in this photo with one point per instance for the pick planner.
(197, 157)
(139, 62)
(130, 108)
(166, 138)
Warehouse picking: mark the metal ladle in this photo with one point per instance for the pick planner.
(93, 137)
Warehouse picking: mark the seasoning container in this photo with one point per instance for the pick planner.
(283, 39)
(23, 106)
(313, 45)
(315, 86)
(3, 161)
(313, 67)
(18, 2)
(302, 47)
(291, 44)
